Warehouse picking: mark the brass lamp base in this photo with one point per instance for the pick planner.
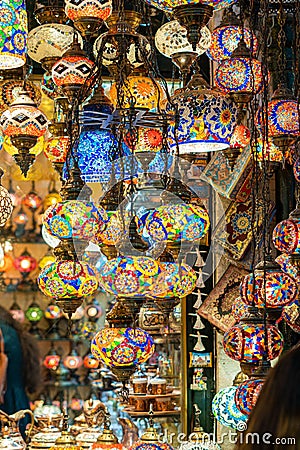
(283, 142)
(193, 18)
(232, 154)
(88, 26)
(123, 373)
(69, 305)
(23, 158)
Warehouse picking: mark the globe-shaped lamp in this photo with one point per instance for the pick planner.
(88, 16)
(25, 263)
(286, 236)
(247, 394)
(176, 281)
(225, 410)
(90, 362)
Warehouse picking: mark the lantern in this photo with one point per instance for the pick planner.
(130, 276)
(68, 282)
(93, 310)
(225, 410)
(13, 31)
(32, 200)
(34, 313)
(169, 5)
(286, 236)
(25, 263)
(88, 16)
(58, 145)
(286, 264)
(53, 312)
(51, 360)
(246, 341)
(268, 287)
(239, 309)
(10, 91)
(73, 361)
(90, 362)
(75, 219)
(16, 312)
(150, 440)
(225, 39)
(176, 281)
(247, 394)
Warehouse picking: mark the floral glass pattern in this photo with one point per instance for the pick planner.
(224, 40)
(239, 75)
(176, 281)
(287, 265)
(121, 347)
(71, 70)
(272, 289)
(206, 121)
(75, 219)
(247, 394)
(68, 279)
(225, 410)
(130, 276)
(172, 38)
(13, 34)
(142, 445)
(25, 263)
(23, 118)
(50, 40)
(34, 313)
(169, 5)
(176, 223)
(114, 230)
(286, 236)
(267, 151)
(84, 8)
(283, 118)
(245, 342)
(56, 148)
(239, 309)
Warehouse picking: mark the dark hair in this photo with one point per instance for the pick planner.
(31, 363)
(277, 410)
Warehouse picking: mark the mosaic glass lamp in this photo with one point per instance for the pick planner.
(73, 361)
(6, 204)
(73, 219)
(139, 91)
(88, 16)
(246, 341)
(240, 74)
(90, 362)
(225, 410)
(114, 230)
(239, 309)
(49, 239)
(68, 282)
(57, 146)
(10, 90)
(175, 223)
(225, 39)
(247, 394)
(34, 313)
(268, 151)
(176, 281)
(169, 5)
(122, 348)
(51, 360)
(291, 315)
(286, 236)
(23, 123)
(25, 263)
(32, 200)
(286, 264)
(72, 70)
(130, 276)
(283, 118)
(17, 312)
(171, 38)
(207, 119)
(13, 34)
(268, 287)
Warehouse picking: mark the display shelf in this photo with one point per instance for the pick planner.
(149, 396)
(133, 413)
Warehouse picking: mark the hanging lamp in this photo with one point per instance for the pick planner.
(6, 204)
(88, 16)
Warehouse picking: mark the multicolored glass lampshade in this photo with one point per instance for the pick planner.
(49, 239)
(45, 260)
(246, 342)
(114, 230)
(291, 315)
(67, 280)
(111, 49)
(51, 360)
(51, 199)
(34, 313)
(145, 140)
(146, 445)
(73, 361)
(10, 91)
(169, 5)
(25, 263)
(225, 39)
(32, 200)
(75, 219)
(71, 72)
(175, 223)
(240, 137)
(283, 118)
(247, 394)
(93, 310)
(296, 170)
(53, 312)
(176, 281)
(100, 9)
(207, 120)
(140, 91)
(268, 152)
(122, 347)
(271, 288)
(50, 40)
(13, 34)
(287, 265)
(90, 362)
(130, 276)
(239, 309)
(239, 75)
(56, 148)
(286, 237)
(225, 410)
(21, 218)
(6, 204)
(23, 118)
(172, 38)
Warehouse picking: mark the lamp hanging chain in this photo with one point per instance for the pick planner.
(281, 42)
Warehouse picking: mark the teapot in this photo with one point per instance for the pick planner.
(9, 443)
(12, 425)
(45, 438)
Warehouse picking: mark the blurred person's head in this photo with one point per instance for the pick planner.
(277, 411)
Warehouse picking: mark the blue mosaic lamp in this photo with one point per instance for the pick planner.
(13, 34)
(225, 409)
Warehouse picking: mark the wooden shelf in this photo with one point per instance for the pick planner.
(149, 397)
(133, 413)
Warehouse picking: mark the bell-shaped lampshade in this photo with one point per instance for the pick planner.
(13, 32)
(225, 39)
(225, 410)
(171, 38)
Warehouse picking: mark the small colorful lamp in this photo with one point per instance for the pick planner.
(57, 146)
(25, 263)
(93, 310)
(6, 204)
(225, 410)
(52, 359)
(247, 394)
(53, 313)
(34, 315)
(177, 280)
(68, 282)
(268, 287)
(32, 200)
(23, 123)
(73, 361)
(239, 309)
(90, 362)
(13, 30)
(88, 16)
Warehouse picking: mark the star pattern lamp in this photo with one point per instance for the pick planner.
(246, 395)
(13, 34)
